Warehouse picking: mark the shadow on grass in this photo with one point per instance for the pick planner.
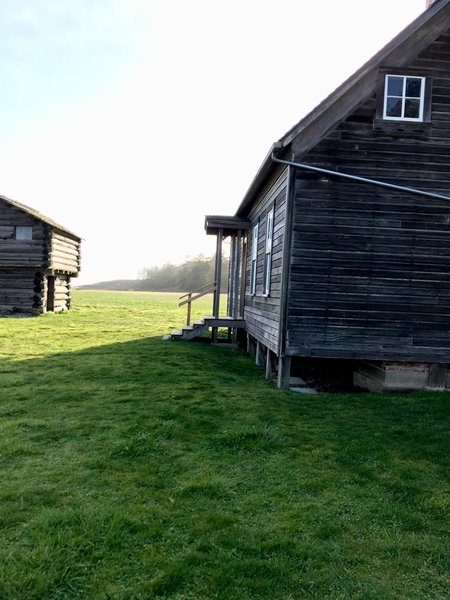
(161, 469)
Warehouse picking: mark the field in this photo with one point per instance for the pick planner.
(135, 468)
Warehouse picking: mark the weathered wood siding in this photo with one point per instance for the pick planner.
(60, 296)
(21, 291)
(370, 268)
(64, 253)
(15, 252)
(34, 273)
(261, 312)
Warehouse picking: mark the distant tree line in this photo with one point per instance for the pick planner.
(192, 274)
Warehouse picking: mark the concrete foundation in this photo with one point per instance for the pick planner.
(401, 377)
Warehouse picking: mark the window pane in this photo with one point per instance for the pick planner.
(393, 107)
(253, 278)
(266, 278)
(24, 233)
(404, 97)
(255, 242)
(413, 87)
(412, 109)
(395, 86)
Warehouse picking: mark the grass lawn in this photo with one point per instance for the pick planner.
(134, 468)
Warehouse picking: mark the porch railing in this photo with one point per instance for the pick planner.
(194, 295)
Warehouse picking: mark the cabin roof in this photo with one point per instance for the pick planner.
(228, 225)
(412, 40)
(37, 215)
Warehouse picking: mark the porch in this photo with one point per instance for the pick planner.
(233, 318)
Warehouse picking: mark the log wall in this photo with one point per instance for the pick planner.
(21, 291)
(64, 253)
(61, 293)
(15, 252)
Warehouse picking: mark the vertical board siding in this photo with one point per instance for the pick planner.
(262, 312)
(370, 267)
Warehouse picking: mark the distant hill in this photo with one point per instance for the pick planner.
(115, 285)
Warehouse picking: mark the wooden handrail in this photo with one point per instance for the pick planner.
(202, 291)
(207, 285)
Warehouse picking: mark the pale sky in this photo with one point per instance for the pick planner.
(127, 121)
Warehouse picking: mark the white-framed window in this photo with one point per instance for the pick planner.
(404, 98)
(268, 253)
(24, 233)
(255, 231)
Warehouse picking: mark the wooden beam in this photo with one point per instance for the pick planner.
(258, 354)
(284, 372)
(218, 273)
(270, 364)
(232, 278)
(237, 260)
(437, 377)
(218, 276)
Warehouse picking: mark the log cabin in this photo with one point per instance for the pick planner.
(340, 248)
(38, 258)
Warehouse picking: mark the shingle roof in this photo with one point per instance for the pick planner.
(37, 215)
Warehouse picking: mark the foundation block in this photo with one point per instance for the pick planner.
(401, 376)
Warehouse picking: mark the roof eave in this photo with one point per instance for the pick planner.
(346, 87)
(259, 178)
(39, 216)
(388, 51)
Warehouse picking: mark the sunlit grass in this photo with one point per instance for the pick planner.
(133, 468)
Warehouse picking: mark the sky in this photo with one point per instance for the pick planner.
(127, 121)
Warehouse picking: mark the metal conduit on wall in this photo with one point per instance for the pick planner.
(384, 184)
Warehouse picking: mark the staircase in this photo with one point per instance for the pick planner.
(188, 332)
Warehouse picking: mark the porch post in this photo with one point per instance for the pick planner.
(218, 274)
(237, 260)
(235, 278)
(231, 277)
(284, 371)
(217, 278)
(243, 268)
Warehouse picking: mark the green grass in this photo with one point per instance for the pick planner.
(133, 468)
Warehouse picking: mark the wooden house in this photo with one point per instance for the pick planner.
(341, 245)
(38, 258)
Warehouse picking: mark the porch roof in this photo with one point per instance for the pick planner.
(228, 225)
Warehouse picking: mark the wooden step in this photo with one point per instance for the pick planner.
(187, 332)
(176, 332)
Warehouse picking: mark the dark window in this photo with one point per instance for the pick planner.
(404, 98)
(24, 233)
(268, 253)
(254, 259)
